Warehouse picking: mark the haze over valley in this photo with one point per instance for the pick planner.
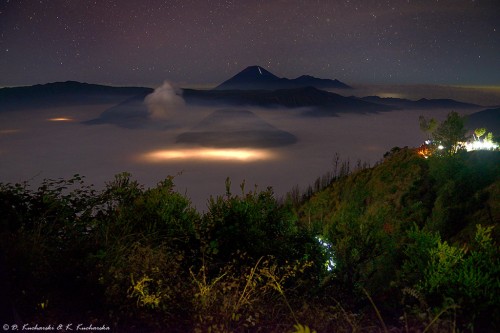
(279, 138)
(301, 78)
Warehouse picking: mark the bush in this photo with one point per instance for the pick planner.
(145, 244)
(466, 275)
(255, 224)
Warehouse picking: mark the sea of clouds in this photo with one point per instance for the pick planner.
(34, 146)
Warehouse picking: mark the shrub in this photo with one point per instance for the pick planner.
(466, 275)
(255, 224)
(45, 234)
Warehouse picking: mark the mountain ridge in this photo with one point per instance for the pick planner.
(488, 118)
(65, 93)
(258, 78)
(323, 102)
(420, 103)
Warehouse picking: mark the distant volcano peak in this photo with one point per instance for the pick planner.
(258, 78)
(257, 70)
(252, 77)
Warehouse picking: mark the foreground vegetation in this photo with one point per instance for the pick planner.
(409, 245)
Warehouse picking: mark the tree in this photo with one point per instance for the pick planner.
(479, 132)
(427, 126)
(451, 133)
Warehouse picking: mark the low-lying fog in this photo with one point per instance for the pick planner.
(54, 143)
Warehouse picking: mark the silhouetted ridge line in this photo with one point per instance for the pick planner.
(291, 98)
(422, 103)
(258, 78)
(65, 93)
(489, 119)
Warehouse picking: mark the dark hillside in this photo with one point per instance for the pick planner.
(373, 217)
(64, 93)
(408, 188)
(489, 119)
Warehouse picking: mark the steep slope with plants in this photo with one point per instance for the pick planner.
(415, 228)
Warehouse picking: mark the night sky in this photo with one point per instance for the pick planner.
(202, 43)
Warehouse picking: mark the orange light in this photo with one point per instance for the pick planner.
(211, 154)
(424, 151)
(60, 119)
(9, 131)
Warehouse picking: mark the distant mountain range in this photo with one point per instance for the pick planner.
(128, 107)
(65, 93)
(320, 102)
(257, 78)
(423, 103)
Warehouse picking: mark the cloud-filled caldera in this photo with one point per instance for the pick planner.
(241, 143)
(279, 137)
(236, 128)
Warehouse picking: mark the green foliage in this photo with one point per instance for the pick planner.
(160, 212)
(450, 133)
(490, 138)
(38, 228)
(479, 132)
(145, 244)
(460, 182)
(142, 290)
(427, 125)
(463, 275)
(363, 217)
(391, 224)
(122, 190)
(253, 223)
(237, 299)
(416, 252)
(444, 260)
(298, 328)
(469, 276)
(149, 275)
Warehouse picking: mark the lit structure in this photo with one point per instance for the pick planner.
(481, 145)
(425, 150)
(429, 148)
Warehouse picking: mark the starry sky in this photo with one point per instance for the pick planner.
(202, 43)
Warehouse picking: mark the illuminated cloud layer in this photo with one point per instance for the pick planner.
(208, 154)
(61, 119)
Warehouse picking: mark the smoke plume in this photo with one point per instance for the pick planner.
(164, 102)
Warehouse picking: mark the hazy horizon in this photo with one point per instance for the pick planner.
(484, 95)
